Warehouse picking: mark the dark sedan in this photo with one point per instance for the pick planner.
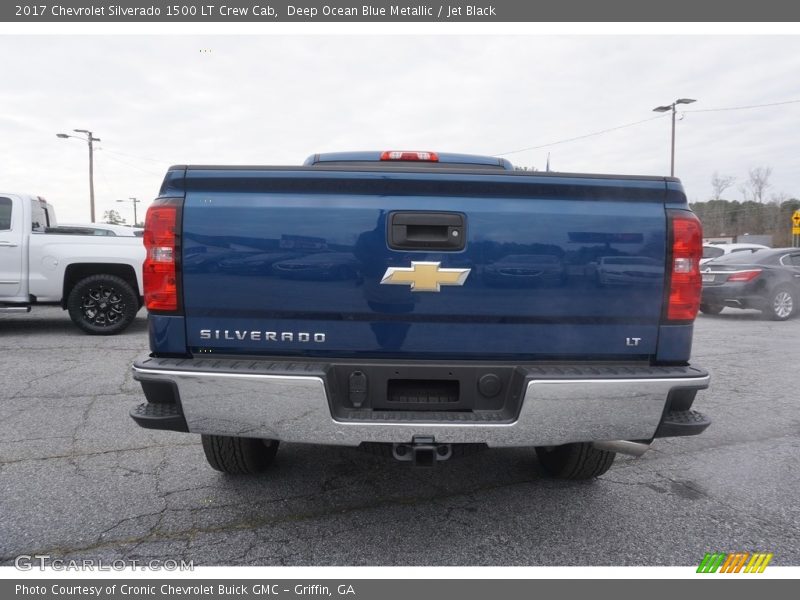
(324, 266)
(525, 270)
(767, 280)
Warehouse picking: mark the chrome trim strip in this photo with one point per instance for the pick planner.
(295, 409)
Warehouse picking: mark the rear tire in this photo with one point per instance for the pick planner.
(239, 456)
(574, 461)
(711, 309)
(782, 304)
(102, 304)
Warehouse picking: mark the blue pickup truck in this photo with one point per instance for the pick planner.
(421, 306)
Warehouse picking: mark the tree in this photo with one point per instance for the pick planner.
(720, 183)
(734, 218)
(112, 217)
(757, 184)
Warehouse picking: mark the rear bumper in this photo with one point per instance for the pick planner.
(296, 402)
(744, 295)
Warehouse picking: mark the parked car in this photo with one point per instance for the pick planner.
(324, 266)
(99, 229)
(97, 279)
(633, 270)
(712, 251)
(258, 263)
(525, 270)
(767, 280)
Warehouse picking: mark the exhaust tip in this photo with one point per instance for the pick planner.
(623, 447)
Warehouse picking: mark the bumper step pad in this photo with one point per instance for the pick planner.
(682, 423)
(159, 416)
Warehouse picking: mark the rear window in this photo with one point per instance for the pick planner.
(790, 260)
(760, 257)
(712, 252)
(38, 216)
(5, 214)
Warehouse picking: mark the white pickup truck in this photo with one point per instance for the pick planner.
(98, 279)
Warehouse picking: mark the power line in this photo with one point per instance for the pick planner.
(741, 107)
(580, 137)
(130, 164)
(602, 131)
(155, 160)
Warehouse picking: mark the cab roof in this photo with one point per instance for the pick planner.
(443, 159)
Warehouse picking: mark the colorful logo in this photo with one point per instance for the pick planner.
(744, 562)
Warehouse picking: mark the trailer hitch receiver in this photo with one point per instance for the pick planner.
(422, 451)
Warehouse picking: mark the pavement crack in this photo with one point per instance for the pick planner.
(253, 524)
(89, 454)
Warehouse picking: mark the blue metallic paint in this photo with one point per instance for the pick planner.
(244, 228)
(167, 334)
(674, 343)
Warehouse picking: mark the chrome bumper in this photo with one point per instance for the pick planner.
(295, 407)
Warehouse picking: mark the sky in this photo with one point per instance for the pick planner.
(157, 100)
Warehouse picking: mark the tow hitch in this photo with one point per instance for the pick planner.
(422, 451)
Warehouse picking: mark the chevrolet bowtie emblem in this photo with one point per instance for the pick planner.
(424, 276)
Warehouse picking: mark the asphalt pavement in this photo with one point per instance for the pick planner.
(78, 479)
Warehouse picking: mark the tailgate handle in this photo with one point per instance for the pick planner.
(427, 231)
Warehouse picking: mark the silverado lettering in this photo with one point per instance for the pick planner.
(267, 336)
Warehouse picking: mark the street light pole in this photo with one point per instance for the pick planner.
(135, 202)
(671, 107)
(89, 137)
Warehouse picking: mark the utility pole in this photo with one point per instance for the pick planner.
(89, 137)
(135, 202)
(671, 107)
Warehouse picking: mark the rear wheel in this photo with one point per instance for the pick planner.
(782, 304)
(102, 304)
(711, 309)
(574, 461)
(239, 456)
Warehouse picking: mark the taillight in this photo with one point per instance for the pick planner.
(410, 155)
(160, 242)
(685, 284)
(745, 275)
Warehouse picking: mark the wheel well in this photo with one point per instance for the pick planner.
(75, 273)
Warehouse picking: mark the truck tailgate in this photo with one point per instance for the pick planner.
(287, 261)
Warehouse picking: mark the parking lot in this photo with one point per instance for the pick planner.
(78, 479)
